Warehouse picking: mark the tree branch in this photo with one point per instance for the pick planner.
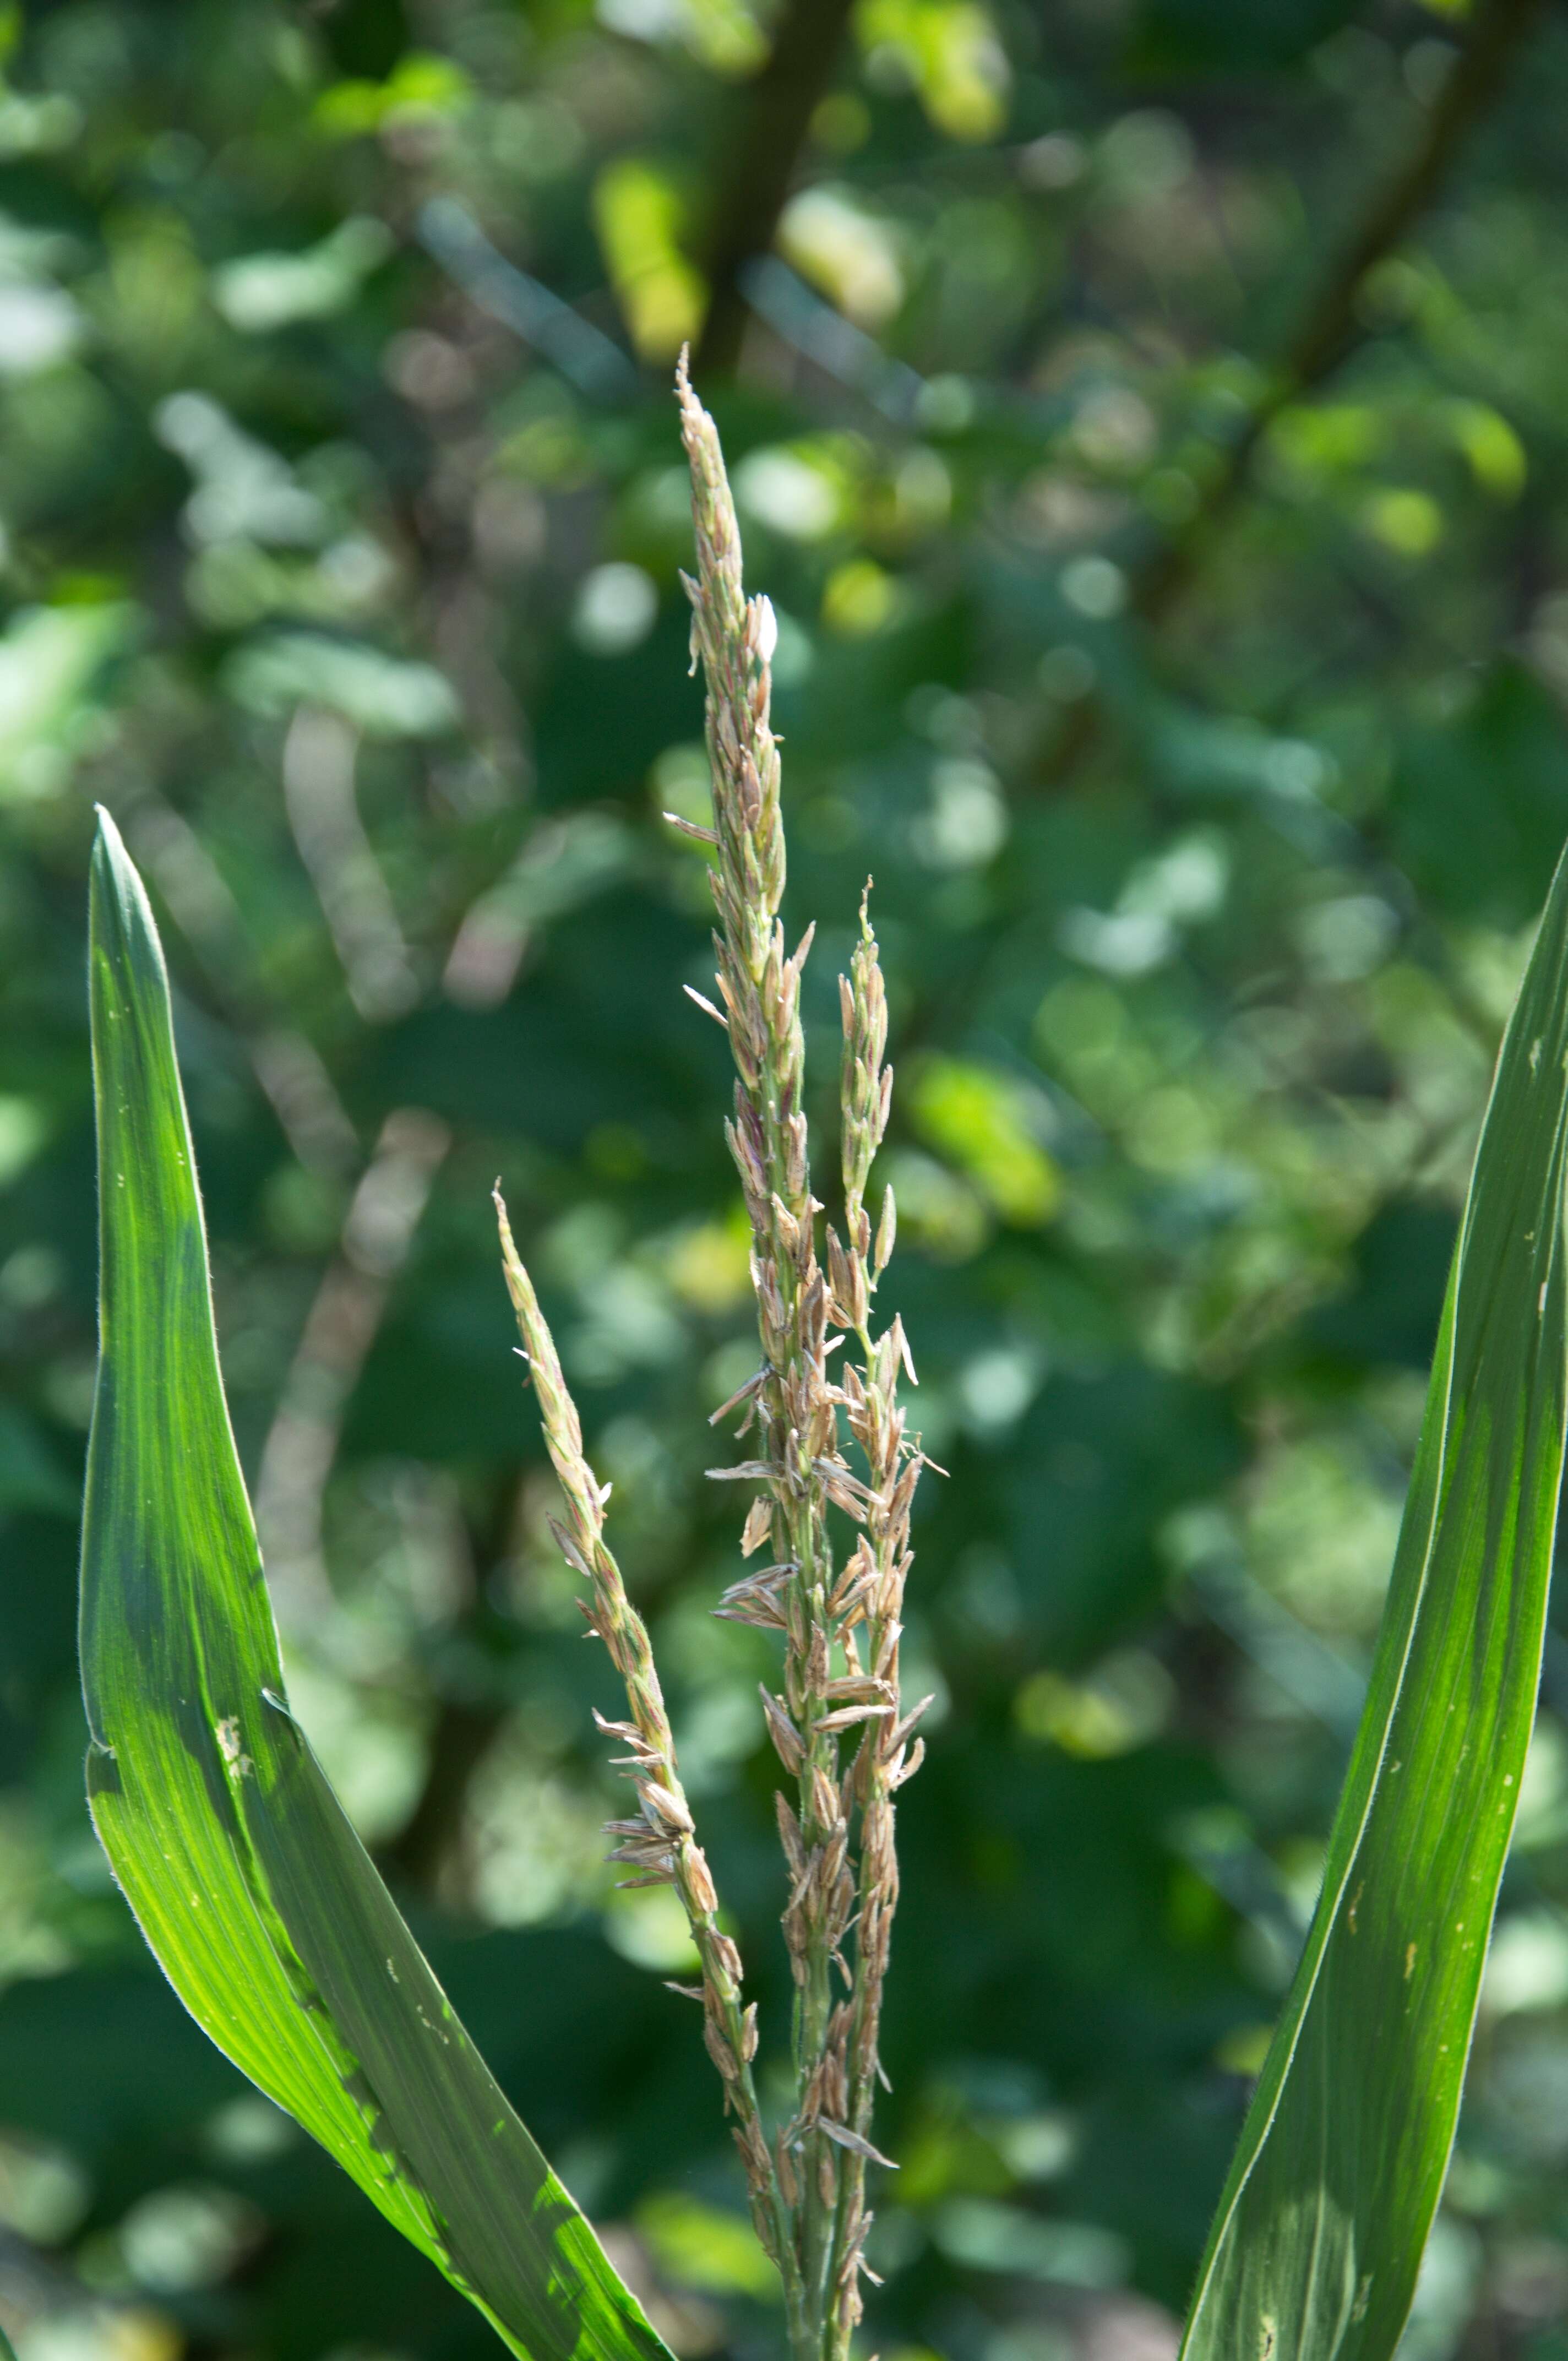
(465, 1730)
(429, 1850)
(1330, 331)
(753, 179)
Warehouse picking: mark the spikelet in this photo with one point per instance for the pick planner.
(825, 1448)
(660, 1845)
(822, 2155)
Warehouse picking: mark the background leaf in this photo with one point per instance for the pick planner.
(1230, 902)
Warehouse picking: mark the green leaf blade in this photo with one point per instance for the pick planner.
(1323, 2221)
(248, 1881)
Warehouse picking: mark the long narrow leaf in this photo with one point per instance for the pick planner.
(1319, 2234)
(249, 1884)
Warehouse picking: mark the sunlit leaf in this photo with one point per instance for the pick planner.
(249, 1882)
(639, 215)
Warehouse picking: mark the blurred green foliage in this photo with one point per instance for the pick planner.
(1198, 712)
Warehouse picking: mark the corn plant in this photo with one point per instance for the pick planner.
(277, 1932)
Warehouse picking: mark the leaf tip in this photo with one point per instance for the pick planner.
(109, 854)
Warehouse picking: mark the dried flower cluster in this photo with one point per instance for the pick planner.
(836, 1723)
